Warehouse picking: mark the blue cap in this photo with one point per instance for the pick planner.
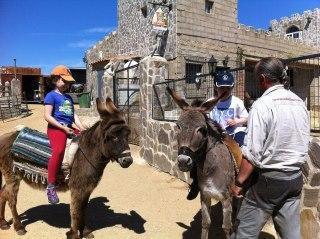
(224, 78)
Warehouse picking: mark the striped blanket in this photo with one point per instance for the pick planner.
(32, 150)
(33, 146)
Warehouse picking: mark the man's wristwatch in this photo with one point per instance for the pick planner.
(238, 184)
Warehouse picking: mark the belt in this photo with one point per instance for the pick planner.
(280, 174)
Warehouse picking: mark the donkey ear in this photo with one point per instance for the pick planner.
(210, 103)
(101, 107)
(179, 101)
(111, 108)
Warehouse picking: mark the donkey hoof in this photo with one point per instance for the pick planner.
(21, 232)
(87, 233)
(72, 235)
(89, 236)
(4, 225)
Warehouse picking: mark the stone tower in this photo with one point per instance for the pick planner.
(305, 27)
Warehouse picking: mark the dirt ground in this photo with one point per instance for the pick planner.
(134, 203)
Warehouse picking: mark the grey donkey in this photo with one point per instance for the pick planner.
(200, 144)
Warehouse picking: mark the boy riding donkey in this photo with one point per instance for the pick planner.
(231, 115)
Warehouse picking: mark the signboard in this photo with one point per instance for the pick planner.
(160, 20)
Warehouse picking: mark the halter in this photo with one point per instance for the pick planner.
(185, 150)
(105, 159)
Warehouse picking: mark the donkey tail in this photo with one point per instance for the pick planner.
(0, 180)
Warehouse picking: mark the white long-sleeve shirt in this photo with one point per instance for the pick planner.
(230, 108)
(278, 131)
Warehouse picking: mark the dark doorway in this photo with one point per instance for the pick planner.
(29, 85)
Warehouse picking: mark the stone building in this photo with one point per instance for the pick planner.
(197, 30)
(194, 31)
(305, 27)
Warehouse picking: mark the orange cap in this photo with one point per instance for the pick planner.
(64, 72)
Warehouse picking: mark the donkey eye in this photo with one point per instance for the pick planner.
(178, 127)
(203, 131)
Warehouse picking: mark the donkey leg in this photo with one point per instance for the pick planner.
(206, 220)
(227, 216)
(11, 192)
(79, 201)
(84, 230)
(4, 225)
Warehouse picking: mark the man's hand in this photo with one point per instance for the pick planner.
(236, 191)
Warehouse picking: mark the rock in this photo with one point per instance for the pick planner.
(310, 228)
(163, 137)
(314, 152)
(148, 156)
(315, 180)
(162, 162)
(311, 196)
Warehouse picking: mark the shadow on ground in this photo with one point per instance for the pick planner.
(194, 230)
(99, 215)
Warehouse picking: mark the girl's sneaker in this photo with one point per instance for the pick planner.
(52, 194)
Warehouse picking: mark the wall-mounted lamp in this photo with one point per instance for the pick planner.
(309, 19)
(212, 63)
(226, 61)
(144, 10)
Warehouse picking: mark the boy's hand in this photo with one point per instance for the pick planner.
(232, 122)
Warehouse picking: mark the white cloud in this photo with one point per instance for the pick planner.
(100, 30)
(81, 44)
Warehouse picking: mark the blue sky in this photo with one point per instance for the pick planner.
(45, 33)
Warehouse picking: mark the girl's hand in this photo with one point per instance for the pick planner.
(68, 130)
(82, 129)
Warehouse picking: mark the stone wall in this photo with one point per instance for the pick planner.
(310, 200)
(158, 143)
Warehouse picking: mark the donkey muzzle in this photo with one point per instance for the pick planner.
(184, 162)
(125, 159)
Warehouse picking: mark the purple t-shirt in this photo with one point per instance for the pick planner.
(63, 109)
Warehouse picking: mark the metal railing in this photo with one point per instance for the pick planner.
(304, 80)
(126, 93)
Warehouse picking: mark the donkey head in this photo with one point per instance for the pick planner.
(192, 129)
(114, 133)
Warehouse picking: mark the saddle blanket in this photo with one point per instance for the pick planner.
(32, 150)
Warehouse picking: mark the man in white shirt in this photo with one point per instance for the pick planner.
(276, 145)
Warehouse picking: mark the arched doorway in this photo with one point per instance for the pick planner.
(294, 32)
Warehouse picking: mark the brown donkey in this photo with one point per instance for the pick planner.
(200, 143)
(105, 141)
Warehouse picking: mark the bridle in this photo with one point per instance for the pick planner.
(105, 159)
(194, 155)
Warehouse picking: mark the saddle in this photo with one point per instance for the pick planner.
(232, 145)
(32, 151)
(234, 149)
